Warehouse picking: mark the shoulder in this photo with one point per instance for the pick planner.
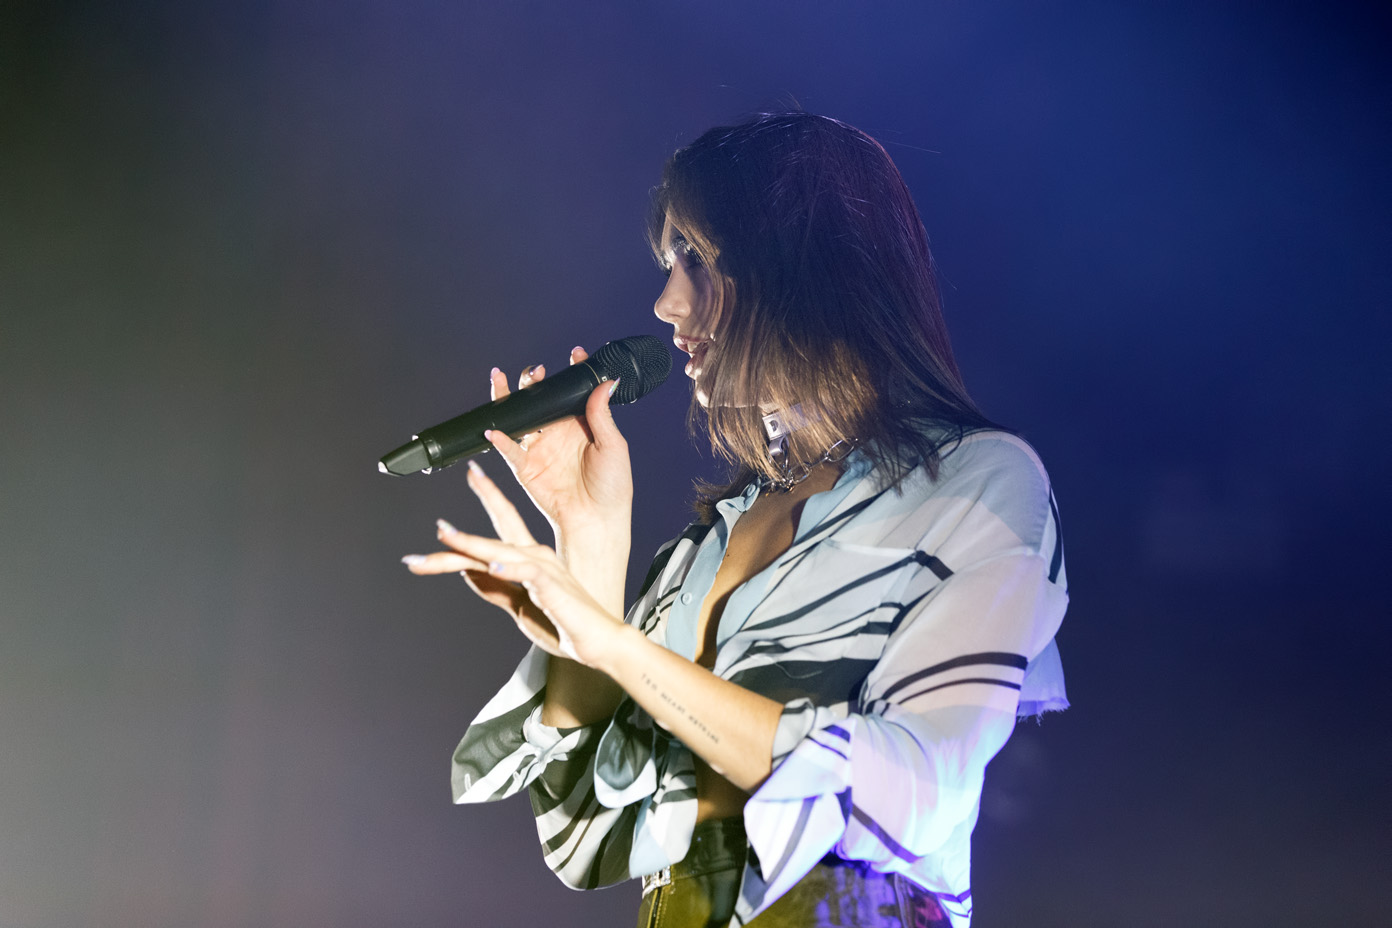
(985, 477)
(996, 460)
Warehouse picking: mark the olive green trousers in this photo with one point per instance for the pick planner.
(700, 891)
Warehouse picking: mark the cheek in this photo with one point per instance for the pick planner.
(703, 309)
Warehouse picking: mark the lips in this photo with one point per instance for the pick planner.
(696, 347)
(688, 344)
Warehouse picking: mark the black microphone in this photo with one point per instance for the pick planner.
(640, 363)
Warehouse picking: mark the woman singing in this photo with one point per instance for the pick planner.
(791, 725)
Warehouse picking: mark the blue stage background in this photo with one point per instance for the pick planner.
(246, 248)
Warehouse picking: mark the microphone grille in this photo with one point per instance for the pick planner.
(641, 362)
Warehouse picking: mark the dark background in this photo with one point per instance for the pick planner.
(246, 248)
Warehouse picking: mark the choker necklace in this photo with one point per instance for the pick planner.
(778, 426)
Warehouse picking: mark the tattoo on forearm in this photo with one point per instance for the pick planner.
(677, 707)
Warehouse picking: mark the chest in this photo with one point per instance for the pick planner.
(760, 535)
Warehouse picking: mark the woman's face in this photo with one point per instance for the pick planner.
(687, 303)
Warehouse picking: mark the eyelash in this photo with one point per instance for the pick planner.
(687, 254)
(682, 251)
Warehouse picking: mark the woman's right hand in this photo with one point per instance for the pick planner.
(576, 472)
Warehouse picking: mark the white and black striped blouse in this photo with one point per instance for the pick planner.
(903, 630)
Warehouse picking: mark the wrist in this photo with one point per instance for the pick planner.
(622, 653)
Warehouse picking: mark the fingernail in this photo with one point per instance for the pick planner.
(488, 435)
(445, 527)
(411, 560)
(614, 386)
(473, 465)
(493, 373)
(532, 371)
(575, 349)
(495, 567)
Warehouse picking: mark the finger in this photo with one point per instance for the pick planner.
(507, 521)
(510, 598)
(441, 562)
(510, 451)
(600, 417)
(496, 591)
(523, 572)
(497, 385)
(486, 550)
(493, 591)
(578, 354)
(531, 375)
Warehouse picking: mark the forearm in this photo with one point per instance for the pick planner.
(576, 694)
(598, 557)
(726, 725)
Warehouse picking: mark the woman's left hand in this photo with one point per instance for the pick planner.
(583, 631)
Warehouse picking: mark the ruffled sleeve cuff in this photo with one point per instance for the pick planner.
(1042, 690)
(507, 746)
(799, 813)
(625, 769)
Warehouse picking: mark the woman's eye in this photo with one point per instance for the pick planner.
(687, 254)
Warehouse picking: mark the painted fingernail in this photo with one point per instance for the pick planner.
(614, 386)
(445, 527)
(473, 465)
(493, 373)
(411, 560)
(575, 349)
(496, 567)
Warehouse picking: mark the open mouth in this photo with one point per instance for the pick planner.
(696, 347)
(698, 357)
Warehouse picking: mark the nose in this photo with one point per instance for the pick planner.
(674, 302)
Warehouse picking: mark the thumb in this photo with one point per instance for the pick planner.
(600, 417)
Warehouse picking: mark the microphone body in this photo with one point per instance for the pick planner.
(640, 363)
(554, 397)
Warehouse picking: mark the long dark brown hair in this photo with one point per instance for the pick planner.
(825, 296)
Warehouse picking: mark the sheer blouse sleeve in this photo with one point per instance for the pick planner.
(896, 781)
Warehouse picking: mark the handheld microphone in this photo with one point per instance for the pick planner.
(640, 363)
